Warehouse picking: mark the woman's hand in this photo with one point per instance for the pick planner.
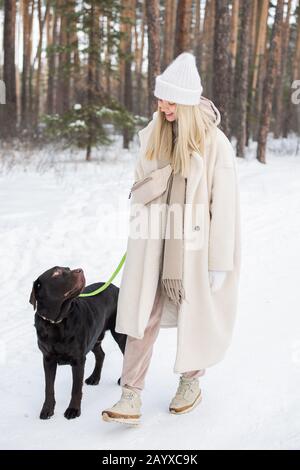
(216, 279)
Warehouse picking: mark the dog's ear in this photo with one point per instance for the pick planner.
(32, 298)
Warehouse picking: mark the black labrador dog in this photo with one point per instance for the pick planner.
(68, 327)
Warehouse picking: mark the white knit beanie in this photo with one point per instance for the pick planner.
(180, 82)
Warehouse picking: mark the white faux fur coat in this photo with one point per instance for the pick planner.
(212, 241)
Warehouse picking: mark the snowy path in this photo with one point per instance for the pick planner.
(251, 398)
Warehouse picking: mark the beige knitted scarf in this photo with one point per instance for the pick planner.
(172, 256)
(173, 250)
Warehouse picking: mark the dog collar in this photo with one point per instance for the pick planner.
(47, 319)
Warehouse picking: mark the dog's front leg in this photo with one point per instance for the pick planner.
(74, 407)
(50, 366)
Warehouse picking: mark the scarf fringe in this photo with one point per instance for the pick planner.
(174, 289)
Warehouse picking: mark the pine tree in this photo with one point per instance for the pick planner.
(221, 65)
(9, 110)
(152, 10)
(269, 83)
(241, 78)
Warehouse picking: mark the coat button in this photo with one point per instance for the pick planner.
(197, 227)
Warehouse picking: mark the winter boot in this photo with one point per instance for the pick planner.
(126, 410)
(187, 397)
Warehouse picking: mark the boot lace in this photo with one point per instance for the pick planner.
(184, 386)
(127, 395)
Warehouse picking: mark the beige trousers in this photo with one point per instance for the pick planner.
(138, 352)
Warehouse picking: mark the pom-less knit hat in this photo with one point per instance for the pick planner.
(180, 82)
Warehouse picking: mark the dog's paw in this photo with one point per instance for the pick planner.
(47, 412)
(92, 380)
(72, 413)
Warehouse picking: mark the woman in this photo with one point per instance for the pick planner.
(189, 282)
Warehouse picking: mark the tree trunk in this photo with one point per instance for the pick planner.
(139, 62)
(98, 37)
(168, 43)
(198, 41)
(152, 11)
(281, 74)
(221, 66)
(63, 83)
(38, 58)
(208, 47)
(74, 55)
(52, 41)
(183, 36)
(241, 78)
(91, 75)
(9, 111)
(27, 17)
(234, 42)
(252, 41)
(168, 38)
(122, 55)
(295, 74)
(234, 32)
(269, 83)
(258, 66)
(108, 56)
(128, 13)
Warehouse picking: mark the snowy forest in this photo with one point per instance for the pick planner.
(104, 55)
(76, 86)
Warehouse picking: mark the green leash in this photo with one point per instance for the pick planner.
(107, 283)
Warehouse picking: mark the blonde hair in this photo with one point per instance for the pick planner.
(193, 125)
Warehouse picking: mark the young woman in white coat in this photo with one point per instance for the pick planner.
(186, 273)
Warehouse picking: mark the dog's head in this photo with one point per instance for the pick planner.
(52, 291)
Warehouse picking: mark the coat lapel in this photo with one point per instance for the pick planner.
(196, 171)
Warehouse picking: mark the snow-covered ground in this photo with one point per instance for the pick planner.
(62, 214)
